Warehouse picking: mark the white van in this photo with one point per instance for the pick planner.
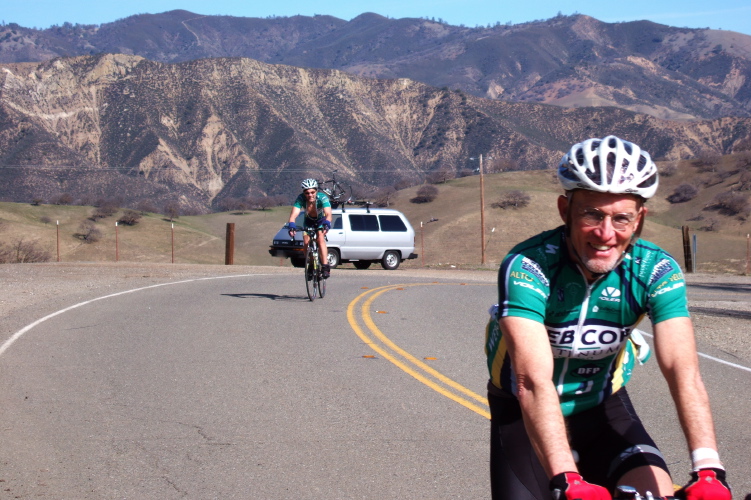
(358, 235)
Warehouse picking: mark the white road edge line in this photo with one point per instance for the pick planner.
(25, 329)
(740, 367)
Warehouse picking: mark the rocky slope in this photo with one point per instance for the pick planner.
(200, 131)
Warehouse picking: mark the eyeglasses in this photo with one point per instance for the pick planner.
(593, 218)
(313, 191)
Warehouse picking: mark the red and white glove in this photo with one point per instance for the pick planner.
(706, 484)
(571, 486)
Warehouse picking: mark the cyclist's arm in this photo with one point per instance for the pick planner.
(675, 349)
(532, 361)
(327, 213)
(293, 215)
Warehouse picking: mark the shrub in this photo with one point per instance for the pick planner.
(441, 176)
(88, 232)
(512, 199)
(732, 203)
(669, 169)
(103, 211)
(22, 252)
(682, 193)
(130, 218)
(425, 194)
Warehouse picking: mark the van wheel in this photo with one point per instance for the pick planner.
(334, 259)
(296, 262)
(391, 260)
(361, 264)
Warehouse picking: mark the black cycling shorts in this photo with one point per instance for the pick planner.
(310, 222)
(609, 439)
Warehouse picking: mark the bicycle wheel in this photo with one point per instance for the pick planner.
(311, 285)
(321, 283)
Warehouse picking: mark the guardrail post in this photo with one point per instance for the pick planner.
(687, 254)
(229, 250)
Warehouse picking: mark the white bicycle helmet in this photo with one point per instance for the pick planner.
(309, 184)
(609, 165)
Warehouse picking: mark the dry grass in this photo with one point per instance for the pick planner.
(451, 240)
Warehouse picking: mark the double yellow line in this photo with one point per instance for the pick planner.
(387, 349)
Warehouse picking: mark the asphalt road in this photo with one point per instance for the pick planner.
(239, 387)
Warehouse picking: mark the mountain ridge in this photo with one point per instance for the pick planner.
(571, 61)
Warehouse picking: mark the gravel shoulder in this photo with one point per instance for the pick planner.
(720, 303)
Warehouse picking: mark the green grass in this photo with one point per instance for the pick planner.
(452, 240)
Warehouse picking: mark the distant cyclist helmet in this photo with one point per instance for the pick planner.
(309, 184)
(609, 165)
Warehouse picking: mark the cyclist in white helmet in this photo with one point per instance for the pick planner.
(562, 342)
(317, 208)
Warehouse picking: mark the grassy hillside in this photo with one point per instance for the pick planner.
(453, 239)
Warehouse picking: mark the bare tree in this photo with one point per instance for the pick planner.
(63, 199)
(512, 199)
(172, 210)
(146, 206)
(383, 197)
(707, 161)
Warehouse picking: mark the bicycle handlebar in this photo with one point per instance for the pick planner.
(307, 229)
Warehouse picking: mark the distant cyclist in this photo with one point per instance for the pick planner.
(317, 209)
(561, 345)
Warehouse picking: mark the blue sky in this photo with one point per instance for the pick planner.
(732, 15)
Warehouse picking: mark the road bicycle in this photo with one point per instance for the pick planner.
(337, 193)
(315, 283)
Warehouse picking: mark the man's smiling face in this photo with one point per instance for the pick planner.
(601, 226)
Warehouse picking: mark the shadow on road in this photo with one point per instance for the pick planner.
(269, 296)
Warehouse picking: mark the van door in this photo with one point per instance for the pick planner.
(336, 236)
(363, 237)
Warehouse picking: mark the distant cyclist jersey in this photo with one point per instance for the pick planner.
(589, 326)
(322, 201)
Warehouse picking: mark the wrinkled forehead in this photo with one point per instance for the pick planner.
(610, 202)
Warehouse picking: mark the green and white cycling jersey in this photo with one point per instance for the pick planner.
(322, 201)
(590, 326)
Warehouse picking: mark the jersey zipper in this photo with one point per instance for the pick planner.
(579, 326)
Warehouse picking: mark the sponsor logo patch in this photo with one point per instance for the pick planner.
(661, 269)
(592, 341)
(586, 371)
(534, 269)
(611, 294)
(531, 287)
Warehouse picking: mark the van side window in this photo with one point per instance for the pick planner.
(337, 222)
(392, 223)
(363, 222)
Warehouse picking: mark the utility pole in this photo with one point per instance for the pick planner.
(482, 212)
